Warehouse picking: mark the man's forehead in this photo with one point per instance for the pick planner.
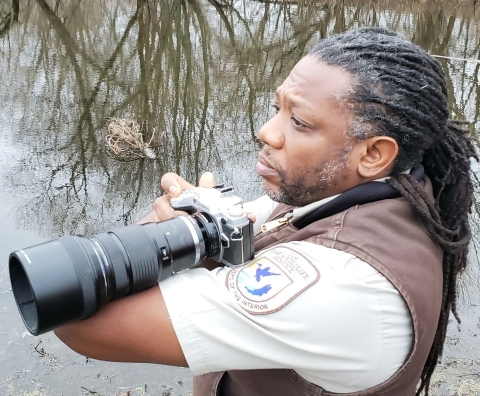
(313, 79)
(315, 87)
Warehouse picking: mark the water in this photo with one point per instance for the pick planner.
(198, 76)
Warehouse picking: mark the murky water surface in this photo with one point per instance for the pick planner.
(198, 76)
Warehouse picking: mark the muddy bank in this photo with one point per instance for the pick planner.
(457, 377)
(44, 367)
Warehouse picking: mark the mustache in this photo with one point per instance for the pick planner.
(266, 153)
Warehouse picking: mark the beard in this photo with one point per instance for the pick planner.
(309, 185)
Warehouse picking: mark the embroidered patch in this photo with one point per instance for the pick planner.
(272, 280)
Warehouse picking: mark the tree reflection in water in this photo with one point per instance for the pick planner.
(200, 72)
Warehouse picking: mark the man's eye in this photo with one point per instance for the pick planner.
(276, 108)
(296, 122)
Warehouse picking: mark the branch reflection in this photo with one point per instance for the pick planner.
(199, 73)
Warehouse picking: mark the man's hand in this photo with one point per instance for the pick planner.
(173, 185)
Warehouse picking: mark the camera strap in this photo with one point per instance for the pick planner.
(358, 195)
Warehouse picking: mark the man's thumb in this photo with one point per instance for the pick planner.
(207, 180)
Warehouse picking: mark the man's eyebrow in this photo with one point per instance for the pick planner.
(294, 102)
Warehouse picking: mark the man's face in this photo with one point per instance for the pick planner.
(307, 149)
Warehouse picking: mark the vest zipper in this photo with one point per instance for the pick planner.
(276, 223)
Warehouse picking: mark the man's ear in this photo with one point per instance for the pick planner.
(378, 156)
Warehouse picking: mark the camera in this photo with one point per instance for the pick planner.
(70, 278)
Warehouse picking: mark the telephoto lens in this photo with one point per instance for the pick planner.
(70, 278)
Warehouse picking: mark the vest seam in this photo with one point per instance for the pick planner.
(216, 384)
(342, 220)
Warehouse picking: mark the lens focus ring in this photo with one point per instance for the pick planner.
(142, 253)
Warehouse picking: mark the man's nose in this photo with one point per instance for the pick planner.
(271, 133)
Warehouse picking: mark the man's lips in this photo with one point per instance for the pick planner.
(263, 168)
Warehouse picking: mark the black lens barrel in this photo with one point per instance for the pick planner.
(70, 278)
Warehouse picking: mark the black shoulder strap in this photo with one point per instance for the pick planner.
(358, 195)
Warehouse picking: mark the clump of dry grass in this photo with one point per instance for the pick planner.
(124, 141)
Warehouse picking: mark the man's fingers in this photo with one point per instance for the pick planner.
(252, 217)
(207, 180)
(163, 210)
(174, 184)
(149, 218)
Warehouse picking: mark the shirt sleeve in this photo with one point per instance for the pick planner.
(326, 314)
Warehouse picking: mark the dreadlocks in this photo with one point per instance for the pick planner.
(398, 90)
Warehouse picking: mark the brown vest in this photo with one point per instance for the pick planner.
(390, 237)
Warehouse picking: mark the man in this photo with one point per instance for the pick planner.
(354, 302)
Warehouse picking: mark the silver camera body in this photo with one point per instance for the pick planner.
(224, 208)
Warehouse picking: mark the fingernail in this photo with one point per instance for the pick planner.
(172, 190)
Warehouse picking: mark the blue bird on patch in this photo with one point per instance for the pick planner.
(258, 292)
(263, 272)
